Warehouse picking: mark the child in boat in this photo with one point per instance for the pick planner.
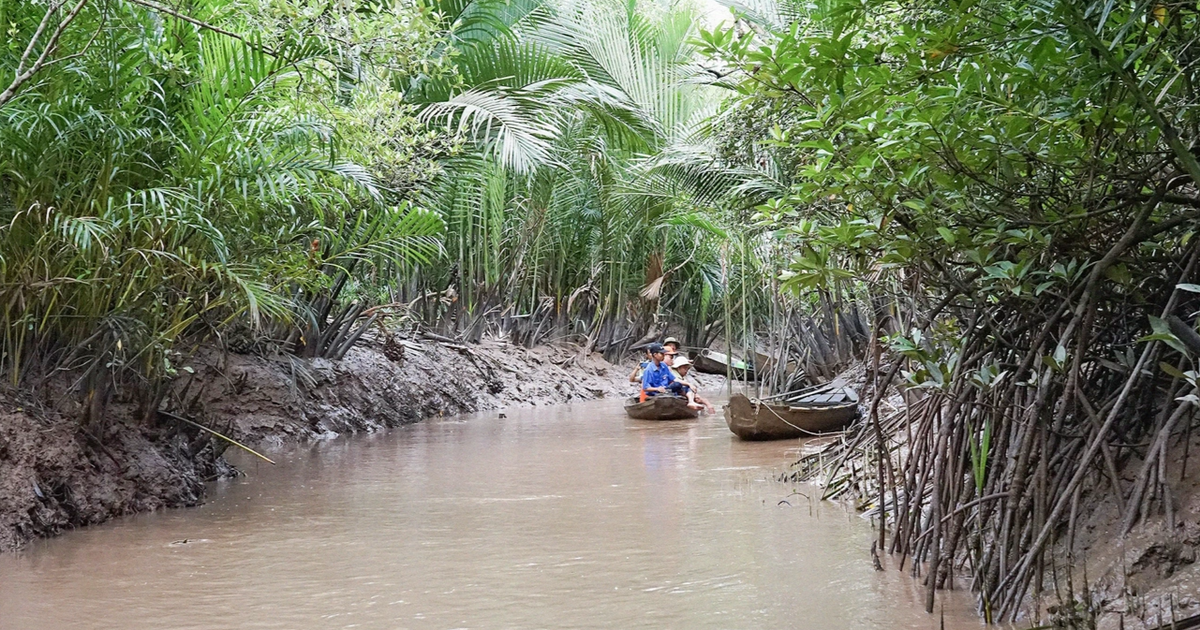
(683, 387)
(657, 377)
(670, 352)
(636, 375)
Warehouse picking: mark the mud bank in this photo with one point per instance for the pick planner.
(1149, 578)
(57, 472)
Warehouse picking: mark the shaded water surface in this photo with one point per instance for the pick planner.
(565, 517)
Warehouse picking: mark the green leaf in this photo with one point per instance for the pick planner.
(1171, 370)
(1163, 333)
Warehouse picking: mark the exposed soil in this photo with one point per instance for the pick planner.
(57, 472)
(1152, 576)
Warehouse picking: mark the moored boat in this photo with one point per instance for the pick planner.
(816, 415)
(713, 362)
(660, 408)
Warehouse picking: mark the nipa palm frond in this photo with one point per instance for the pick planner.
(506, 124)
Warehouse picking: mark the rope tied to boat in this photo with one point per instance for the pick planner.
(758, 404)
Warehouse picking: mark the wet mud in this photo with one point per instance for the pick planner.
(61, 467)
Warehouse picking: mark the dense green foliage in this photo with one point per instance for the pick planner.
(1023, 178)
(253, 172)
(162, 179)
(565, 220)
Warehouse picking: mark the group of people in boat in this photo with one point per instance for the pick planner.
(665, 372)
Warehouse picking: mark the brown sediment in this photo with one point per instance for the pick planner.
(1151, 576)
(57, 472)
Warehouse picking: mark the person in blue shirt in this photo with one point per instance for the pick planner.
(657, 377)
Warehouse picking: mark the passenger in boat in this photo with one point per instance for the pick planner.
(657, 376)
(636, 375)
(671, 354)
(671, 349)
(686, 388)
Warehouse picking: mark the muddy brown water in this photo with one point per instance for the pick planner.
(563, 517)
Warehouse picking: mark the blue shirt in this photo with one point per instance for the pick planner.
(657, 376)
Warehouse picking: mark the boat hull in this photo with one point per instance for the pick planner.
(660, 408)
(711, 362)
(756, 421)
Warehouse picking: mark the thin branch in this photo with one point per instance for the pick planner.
(22, 77)
(38, 34)
(87, 46)
(167, 414)
(1118, 67)
(154, 6)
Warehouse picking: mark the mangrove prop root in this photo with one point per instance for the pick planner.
(987, 477)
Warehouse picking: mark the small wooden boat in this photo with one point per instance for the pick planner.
(660, 408)
(713, 362)
(810, 416)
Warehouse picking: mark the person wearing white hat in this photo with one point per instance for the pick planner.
(687, 388)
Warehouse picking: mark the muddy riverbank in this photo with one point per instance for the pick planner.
(58, 472)
(1149, 578)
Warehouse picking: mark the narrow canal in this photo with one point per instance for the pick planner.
(565, 517)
